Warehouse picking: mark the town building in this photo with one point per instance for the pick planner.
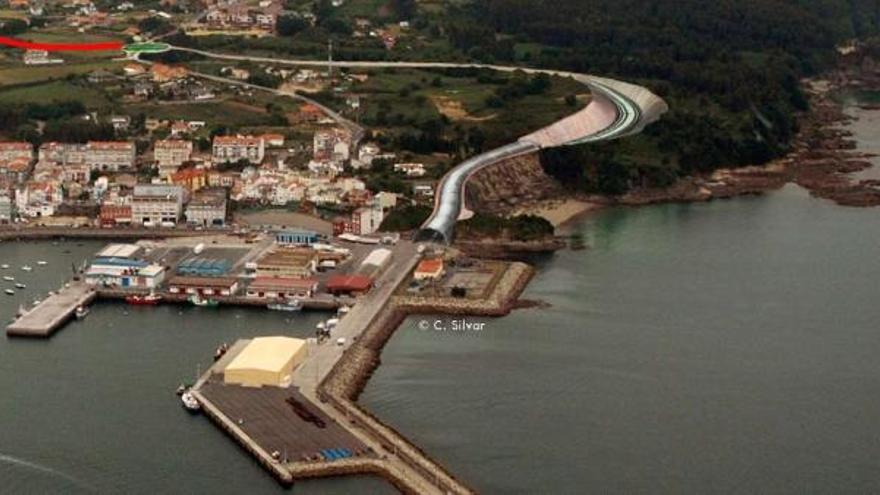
(207, 208)
(112, 215)
(38, 198)
(282, 288)
(110, 156)
(170, 154)
(331, 144)
(7, 207)
(156, 204)
(16, 170)
(410, 169)
(349, 285)
(296, 237)
(16, 150)
(429, 269)
(39, 57)
(124, 273)
(235, 148)
(364, 220)
(203, 286)
(191, 179)
(287, 262)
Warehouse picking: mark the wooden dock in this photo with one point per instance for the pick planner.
(53, 312)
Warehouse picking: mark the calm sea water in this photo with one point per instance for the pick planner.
(722, 347)
(93, 410)
(729, 347)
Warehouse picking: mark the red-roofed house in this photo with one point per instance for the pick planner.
(429, 269)
(349, 285)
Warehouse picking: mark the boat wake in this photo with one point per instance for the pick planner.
(15, 461)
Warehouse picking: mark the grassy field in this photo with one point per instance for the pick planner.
(25, 74)
(419, 95)
(228, 113)
(54, 91)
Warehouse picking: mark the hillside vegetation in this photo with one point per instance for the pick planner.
(730, 71)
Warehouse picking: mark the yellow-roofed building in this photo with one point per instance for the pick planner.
(266, 361)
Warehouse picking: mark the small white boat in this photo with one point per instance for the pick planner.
(42, 263)
(81, 312)
(37, 301)
(189, 402)
(4, 266)
(27, 268)
(10, 292)
(20, 285)
(9, 279)
(292, 305)
(21, 311)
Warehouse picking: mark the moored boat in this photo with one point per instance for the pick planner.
(4, 266)
(204, 303)
(189, 402)
(10, 292)
(149, 299)
(81, 312)
(20, 285)
(221, 351)
(9, 279)
(27, 268)
(291, 305)
(42, 263)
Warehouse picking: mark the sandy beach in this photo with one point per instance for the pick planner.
(557, 211)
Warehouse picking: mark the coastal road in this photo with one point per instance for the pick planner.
(617, 109)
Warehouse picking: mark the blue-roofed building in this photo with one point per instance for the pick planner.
(295, 236)
(203, 267)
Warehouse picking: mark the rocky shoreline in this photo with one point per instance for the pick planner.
(822, 158)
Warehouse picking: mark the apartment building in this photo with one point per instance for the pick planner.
(234, 148)
(156, 204)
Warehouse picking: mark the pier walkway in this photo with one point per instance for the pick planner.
(52, 312)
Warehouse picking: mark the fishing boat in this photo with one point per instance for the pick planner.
(20, 285)
(10, 292)
(81, 312)
(42, 263)
(27, 268)
(204, 303)
(9, 279)
(189, 402)
(221, 351)
(149, 299)
(4, 266)
(292, 305)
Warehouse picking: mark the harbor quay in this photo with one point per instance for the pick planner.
(325, 377)
(302, 272)
(53, 312)
(289, 402)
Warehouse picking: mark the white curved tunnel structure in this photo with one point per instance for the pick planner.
(617, 109)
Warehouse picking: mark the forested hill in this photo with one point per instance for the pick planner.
(729, 69)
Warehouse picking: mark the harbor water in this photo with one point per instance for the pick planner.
(93, 409)
(728, 347)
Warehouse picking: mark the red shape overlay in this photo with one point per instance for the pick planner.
(62, 47)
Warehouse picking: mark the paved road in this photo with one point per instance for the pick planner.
(323, 357)
(618, 109)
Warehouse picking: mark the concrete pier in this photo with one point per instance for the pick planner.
(53, 312)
